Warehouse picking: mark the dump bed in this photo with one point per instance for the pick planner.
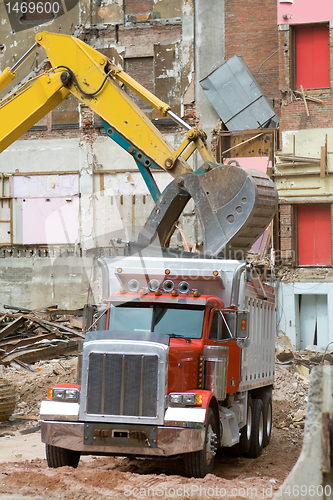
(258, 359)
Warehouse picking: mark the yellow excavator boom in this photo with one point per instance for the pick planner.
(234, 206)
(86, 73)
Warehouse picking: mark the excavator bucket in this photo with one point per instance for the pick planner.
(234, 207)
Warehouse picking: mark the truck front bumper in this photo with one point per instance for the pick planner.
(167, 441)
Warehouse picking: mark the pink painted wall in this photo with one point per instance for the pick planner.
(52, 222)
(305, 11)
(45, 186)
(256, 162)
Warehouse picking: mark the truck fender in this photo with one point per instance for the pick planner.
(209, 401)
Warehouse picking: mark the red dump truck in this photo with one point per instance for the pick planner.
(180, 361)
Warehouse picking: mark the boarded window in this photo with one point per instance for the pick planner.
(314, 235)
(312, 57)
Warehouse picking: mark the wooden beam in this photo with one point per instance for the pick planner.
(308, 97)
(305, 103)
(323, 159)
(12, 327)
(101, 184)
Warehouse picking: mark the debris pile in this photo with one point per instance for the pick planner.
(292, 377)
(7, 399)
(32, 386)
(29, 336)
(300, 362)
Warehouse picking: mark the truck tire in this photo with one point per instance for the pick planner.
(59, 457)
(246, 431)
(267, 409)
(257, 436)
(200, 463)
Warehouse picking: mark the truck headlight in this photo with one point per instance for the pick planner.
(68, 394)
(187, 399)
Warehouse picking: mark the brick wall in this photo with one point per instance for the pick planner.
(141, 69)
(139, 40)
(286, 243)
(138, 7)
(294, 116)
(251, 32)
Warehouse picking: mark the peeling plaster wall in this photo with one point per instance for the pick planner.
(308, 143)
(209, 54)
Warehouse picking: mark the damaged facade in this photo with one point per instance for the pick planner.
(303, 172)
(66, 188)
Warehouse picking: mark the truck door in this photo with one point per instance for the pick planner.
(219, 334)
(218, 328)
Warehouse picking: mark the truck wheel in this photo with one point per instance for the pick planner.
(200, 463)
(246, 431)
(257, 437)
(267, 409)
(59, 457)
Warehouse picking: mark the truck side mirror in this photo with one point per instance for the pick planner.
(242, 333)
(238, 325)
(242, 324)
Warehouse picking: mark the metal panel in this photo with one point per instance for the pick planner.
(122, 384)
(312, 57)
(237, 98)
(313, 320)
(257, 367)
(314, 235)
(123, 381)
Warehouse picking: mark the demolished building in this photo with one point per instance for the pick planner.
(303, 172)
(66, 188)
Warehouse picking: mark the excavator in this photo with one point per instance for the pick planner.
(234, 206)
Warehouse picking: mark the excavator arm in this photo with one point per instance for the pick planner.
(233, 207)
(86, 73)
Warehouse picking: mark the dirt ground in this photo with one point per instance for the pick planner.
(24, 472)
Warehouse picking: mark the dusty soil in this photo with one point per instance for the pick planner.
(121, 478)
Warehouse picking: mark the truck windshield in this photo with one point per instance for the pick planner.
(160, 319)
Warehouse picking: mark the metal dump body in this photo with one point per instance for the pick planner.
(198, 272)
(258, 359)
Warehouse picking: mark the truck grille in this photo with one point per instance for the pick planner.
(122, 384)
